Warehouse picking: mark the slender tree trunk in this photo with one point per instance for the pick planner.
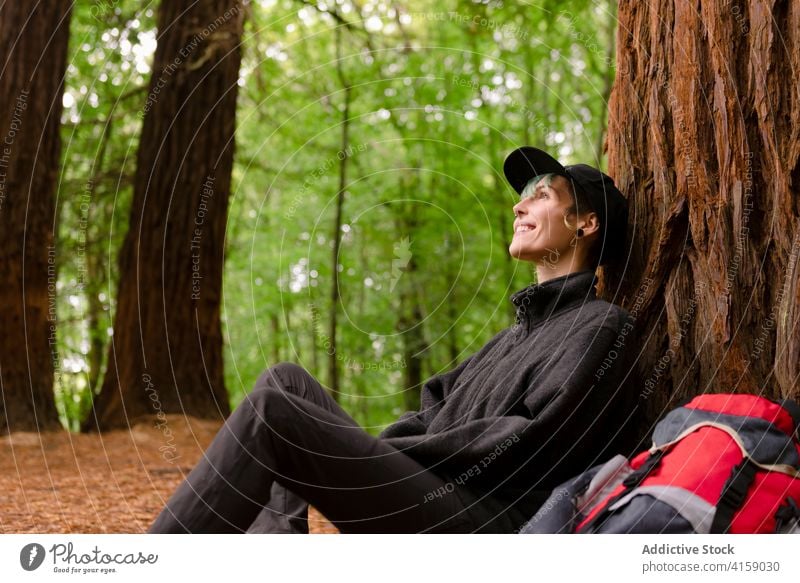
(333, 365)
(94, 316)
(275, 326)
(314, 344)
(166, 352)
(453, 334)
(531, 66)
(410, 323)
(33, 51)
(95, 274)
(704, 138)
(453, 348)
(286, 313)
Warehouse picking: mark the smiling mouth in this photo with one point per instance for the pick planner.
(522, 230)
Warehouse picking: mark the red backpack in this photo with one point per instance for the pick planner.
(720, 463)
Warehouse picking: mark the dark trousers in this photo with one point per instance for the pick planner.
(289, 443)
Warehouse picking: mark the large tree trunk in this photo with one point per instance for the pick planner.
(703, 138)
(166, 351)
(33, 51)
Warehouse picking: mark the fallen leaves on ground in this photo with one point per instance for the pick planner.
(113, 482)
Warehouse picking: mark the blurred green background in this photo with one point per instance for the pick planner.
(439, 94)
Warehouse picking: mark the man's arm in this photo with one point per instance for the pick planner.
(566, 406)
(433, 395)
(431, 400)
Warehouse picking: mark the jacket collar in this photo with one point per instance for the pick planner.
(540, 301)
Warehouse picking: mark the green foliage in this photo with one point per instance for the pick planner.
(438, 97)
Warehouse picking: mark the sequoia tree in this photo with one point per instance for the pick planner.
(166, 351)
(33, 54)
(704, 138)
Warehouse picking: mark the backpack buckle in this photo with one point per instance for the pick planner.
(786, 513)
(636, 477)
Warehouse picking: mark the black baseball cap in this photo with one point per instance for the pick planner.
(607, 201)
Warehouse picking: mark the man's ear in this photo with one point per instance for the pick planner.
(590, 223)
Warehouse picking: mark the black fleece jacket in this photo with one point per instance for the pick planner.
(536, 405)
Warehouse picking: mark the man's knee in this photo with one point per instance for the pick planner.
(269, 404)
(284, 376)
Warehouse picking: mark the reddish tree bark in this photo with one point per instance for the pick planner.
(166, 351)
(33, 55)
(703, 138)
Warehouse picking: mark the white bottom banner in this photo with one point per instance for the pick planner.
(390, 558)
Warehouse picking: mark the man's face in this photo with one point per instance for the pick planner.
(540, 234)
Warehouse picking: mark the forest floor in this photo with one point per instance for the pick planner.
(115, 482)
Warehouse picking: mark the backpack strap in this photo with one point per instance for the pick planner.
(793, 408)
(733, 494)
